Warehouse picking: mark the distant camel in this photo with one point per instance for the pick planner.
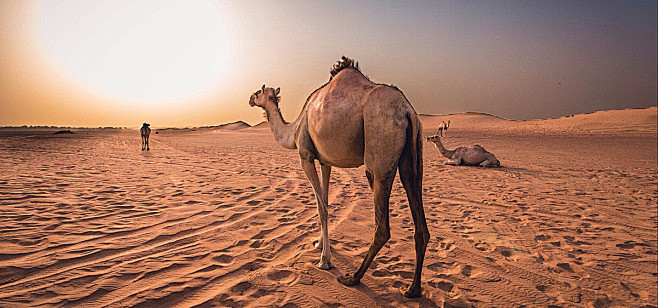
(145, 131)
(473, 156)
(348, 122)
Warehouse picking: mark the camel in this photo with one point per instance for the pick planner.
(348, 122)
(473, 156)
(145, 131)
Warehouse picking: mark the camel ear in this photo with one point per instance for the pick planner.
(448, 124)
(276, 92)
(263, 88)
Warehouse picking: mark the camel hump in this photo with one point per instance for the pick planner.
(478, 146)
(344, 63)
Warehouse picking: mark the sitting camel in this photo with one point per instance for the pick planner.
(473, 156)
(145, 131)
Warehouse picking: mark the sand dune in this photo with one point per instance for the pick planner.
(238, 125)
(228, 219)
(610, 121)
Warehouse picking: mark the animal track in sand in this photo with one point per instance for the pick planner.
(618, 272)
(381, 273)
(256, 244)
(282, 276)
(444, 285)
(447, 245)
(504, 251)
(223, 259)
(241, 287)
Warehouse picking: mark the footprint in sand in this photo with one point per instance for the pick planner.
(223, 259)
(447, 245)
(240, 243)
(504, 251)
(467, 270)
(285, 220)
(260, 293)
(241, 287)
(256, 244)
(282, 276)
(565, 266)
(438, 266)
(626, 245)
(542, 237)
(444, 285)
(381, 273)
(254, 265)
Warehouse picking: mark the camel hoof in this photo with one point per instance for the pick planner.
(348, 280)
(411, 293)
(325, 265)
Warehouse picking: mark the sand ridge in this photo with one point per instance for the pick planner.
(641, 120)
(224, 217)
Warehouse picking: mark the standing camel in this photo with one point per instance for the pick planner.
(145, 131)
(348, 122)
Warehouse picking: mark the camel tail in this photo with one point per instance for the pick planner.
(416, 141)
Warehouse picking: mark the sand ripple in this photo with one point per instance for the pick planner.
(228, 219)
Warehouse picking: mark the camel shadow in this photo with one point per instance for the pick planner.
(501, 168)
(365, 290)
(517, 169)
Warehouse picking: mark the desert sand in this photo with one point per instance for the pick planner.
(224, 216)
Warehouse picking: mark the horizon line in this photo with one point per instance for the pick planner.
(118, 127)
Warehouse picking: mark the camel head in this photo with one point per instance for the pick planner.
(146, 125)
(265, 96)
(433, 138)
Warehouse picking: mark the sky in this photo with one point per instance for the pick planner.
(193, 63)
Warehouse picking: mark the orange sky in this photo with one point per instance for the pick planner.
(173, 63)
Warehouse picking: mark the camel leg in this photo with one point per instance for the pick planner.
(488, 163)
(384, 142)
(414, 187)
(382, 190)
(312, 175)
(456, 162)
(142, 143)
(369, 177)
(147, 143)
(326, 172)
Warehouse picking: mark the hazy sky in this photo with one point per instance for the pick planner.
(190, 63)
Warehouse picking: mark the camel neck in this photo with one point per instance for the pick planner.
(283, 132)
(445, 152)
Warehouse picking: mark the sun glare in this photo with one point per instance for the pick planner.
(138, 51)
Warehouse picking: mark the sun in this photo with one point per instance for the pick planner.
(137, 51)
